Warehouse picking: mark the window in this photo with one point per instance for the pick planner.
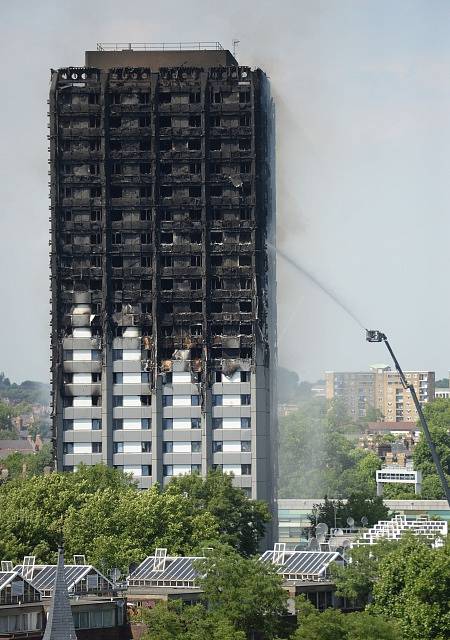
(117, 401)
(115, 122)
(95, 238)
(245, 144)
(214, 121)
(165, 145)
(67, 425)
(245, 120)
(167, 422)
(196, 468)
(195, 423)
(195, 121)
(146, 423)
(144, 145)
(146, 470)
(245, 398)
(96, 424)
(116, 168)
(217, 446)
(145, 168)
(195, 168)
(165, 121)
(146, 447)
(166, 237)
(196, 261)
(146, 238)
(144, 121)
(194, 97)
(245, 376)
(195, 191)
(144, 98)
(117, 424)
(165, 192)
(195, 401)
(245, 423)
(116, 192)
(167, 470)
(146, 261)
(165, 97)
(145, 214)
(115, 145)
(194, 144)
(217, 400)
(68, 447)
(146, 401)
(96, 447)
(244, 96)
(245, 306)
(216, 191)
(117, 354)
(94, 122)
(118, 447)
(196, 446)
(167, 401)
(217, 423)
(246, 469)
(215, 144)
(246, 446)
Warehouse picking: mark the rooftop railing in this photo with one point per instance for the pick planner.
(159, 46)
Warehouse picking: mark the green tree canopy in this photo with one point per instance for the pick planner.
(334, 625)
(241, 521)
(413, 587)
(102, 514)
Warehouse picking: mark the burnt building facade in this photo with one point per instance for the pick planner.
(163, 285)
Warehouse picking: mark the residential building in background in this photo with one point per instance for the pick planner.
(381, 390)
(163, 291)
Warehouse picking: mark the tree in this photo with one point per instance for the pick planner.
(334, 625)
(28, 464)
(174, 620)
(336, 512)
(438, 417)
(241, 521)
(245, 591)
(355, 580)
(413, 586)
(101, 513)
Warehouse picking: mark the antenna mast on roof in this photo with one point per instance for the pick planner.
(235, 44)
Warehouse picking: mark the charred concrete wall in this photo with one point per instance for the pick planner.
(163, 291)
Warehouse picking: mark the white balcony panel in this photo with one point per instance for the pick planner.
(131, 354)
(81, 332)
(181, 447)
(80, 424)
(231, 423)
(81, 355)
(181, 376)
(81, 378)
(131, 378)
(232, 468)
(181, 423)
(232, 400)
(134, 469)
(82, 401)
(131, 425)
(181, 469)
(131, 401)
(132, 447)
(82, 447)
(131, 332)
(182, 401)
(231, 446)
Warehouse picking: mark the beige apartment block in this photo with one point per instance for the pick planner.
(382, 389)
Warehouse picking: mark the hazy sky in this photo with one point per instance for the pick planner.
(363, 154)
